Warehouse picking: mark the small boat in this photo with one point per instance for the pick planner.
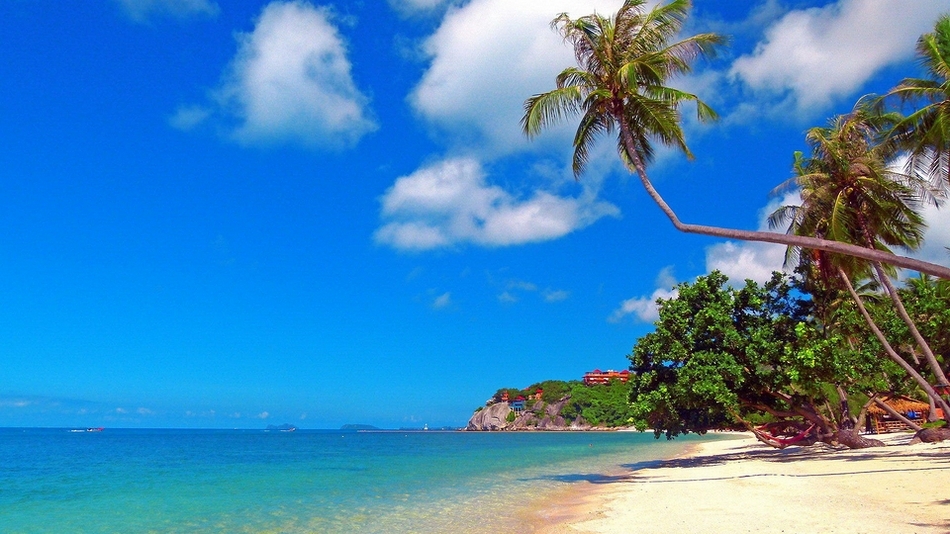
(95, 429)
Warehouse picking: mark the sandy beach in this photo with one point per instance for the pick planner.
(739, 486)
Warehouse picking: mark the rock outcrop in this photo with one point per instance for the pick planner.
(539, 416)
(494, 417)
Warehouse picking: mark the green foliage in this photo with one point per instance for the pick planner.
(513, 394)
(511, 416)
(601, 405)
(552, 390)
(721, 355)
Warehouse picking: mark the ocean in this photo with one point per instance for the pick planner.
(326, 482)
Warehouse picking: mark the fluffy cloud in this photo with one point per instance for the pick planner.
(486, 58)
(412, 7)
(756, 261)
(142, 10)
(442, 301)
(644, 308)
(450, 202)
(745, 260)
(751, 259)
(290, 82)
(514, 287)
(937, 236)
(812, 56)
(188, 117)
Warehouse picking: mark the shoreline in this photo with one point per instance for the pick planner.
(739, 485)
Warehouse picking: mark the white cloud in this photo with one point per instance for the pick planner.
(142, 10)
(188, 117)
(756, 261)
(812, 56)
(450, 202)
(522, 285)
(751, 259)
(291, 82)
(15, 403)
(486, 59)
(263, 415)
(507, 297)
(645, 309)
(414, 7)
(936, 237)
(442, 301)
(556, 295)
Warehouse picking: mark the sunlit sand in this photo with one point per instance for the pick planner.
(740, 485)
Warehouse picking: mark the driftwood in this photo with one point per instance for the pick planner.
(852, 440)
(931, 435)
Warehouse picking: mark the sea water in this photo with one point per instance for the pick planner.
(200, 481)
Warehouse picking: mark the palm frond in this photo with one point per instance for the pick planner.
(549, 108)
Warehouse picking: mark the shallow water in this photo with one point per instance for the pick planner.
(201, 481)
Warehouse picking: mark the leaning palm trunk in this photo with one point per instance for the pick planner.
(897, 415)
(921, 381)
(790, 240)
(914, 332)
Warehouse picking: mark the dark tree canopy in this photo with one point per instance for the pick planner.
(725, 357)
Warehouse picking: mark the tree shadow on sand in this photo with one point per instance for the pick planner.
(899, 456)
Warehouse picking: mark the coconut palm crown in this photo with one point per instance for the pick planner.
(624, 64)
(619, 86)
(925, 132)
(849, 190)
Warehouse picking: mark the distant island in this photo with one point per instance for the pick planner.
(358, 427)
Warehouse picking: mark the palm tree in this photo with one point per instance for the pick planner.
(620, 86)
(925, 133)
(850, 193)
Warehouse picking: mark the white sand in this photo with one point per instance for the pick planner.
(734, 486)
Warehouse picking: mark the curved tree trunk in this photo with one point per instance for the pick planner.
(902, 312)
(852, 440)
(924, 385)
(790, 240)
(931, 435)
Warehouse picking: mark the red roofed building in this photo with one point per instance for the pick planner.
(603, 377)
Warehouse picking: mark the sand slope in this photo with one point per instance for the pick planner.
(735, 486)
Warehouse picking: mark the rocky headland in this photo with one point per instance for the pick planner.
(500, 416)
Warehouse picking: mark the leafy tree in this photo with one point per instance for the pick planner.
(721, 356)
(600, 404)
(552, 390)
(625, 63)
(851, 193)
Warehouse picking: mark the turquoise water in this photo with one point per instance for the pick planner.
(198, 481)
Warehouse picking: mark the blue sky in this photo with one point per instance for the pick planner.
(234, 214)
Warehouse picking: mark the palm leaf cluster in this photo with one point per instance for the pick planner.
(925, 131)
(624, 62)
(852, 192)
(620, 86)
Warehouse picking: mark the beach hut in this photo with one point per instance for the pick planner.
(882, 422)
